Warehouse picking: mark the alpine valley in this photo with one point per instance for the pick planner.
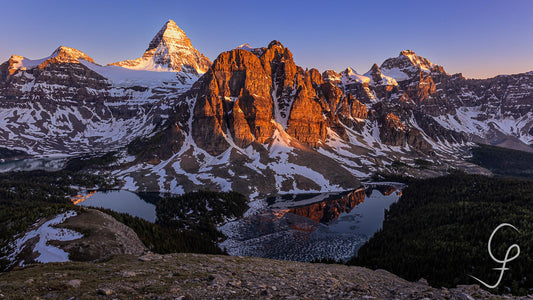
(254, 122)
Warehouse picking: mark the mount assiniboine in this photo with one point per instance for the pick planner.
(68, 104)
(253, 121)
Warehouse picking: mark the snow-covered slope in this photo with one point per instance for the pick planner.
(35, 242)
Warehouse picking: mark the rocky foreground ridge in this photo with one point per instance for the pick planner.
(195, 276)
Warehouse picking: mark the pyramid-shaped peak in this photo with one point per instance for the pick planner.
(374, 73)
(171, 28)
(378, 77)
(170, 35)
(169, 50)
(171, 22)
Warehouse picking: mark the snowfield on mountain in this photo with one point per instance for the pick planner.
(253, 121)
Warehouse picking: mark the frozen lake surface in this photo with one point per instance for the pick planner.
(312, 227)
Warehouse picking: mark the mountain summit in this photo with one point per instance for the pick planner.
(61, 55)
(170, 50)
(408, 65)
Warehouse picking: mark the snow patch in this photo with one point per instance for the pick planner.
(46, 233)
(395, 73)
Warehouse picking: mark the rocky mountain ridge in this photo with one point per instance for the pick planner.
(255, 122)
(67, 104)
(255, 117)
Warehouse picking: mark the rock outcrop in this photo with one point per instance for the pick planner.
(233, 97)
(244, 92)
(106, 237)
(58, 239)
(262, 117)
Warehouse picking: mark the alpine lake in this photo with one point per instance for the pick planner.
(300, 227)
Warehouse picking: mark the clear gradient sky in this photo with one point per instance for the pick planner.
(478, 38)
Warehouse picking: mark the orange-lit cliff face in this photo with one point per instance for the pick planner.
(305, 218)
(246, 93)
(326, 211)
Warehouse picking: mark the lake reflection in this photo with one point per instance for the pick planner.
(330, 225)
(119, 201)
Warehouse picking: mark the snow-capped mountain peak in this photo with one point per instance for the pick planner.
(61, 55)
(421, 62)
(169, 51)
(350, 71)
(69, 55)
(170, 35)
(350, 76)
(407, 65)
(67, 51)
(245, 46)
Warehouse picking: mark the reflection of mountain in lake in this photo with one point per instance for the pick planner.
(328, 210)
(306, 229)
(82, 197)
(384, 189)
